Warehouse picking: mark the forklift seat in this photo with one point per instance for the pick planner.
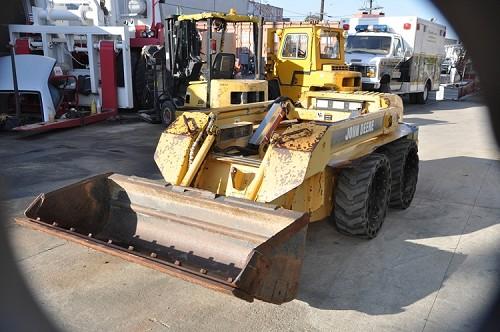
(223, 67)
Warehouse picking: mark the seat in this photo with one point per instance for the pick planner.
(223, 66)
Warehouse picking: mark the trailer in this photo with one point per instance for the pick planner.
(401, 55)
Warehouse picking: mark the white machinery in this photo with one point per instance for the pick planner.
(401, 55)
(99, 42)
(454, 61)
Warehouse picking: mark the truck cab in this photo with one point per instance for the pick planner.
(380, 56)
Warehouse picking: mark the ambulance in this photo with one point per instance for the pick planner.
(401, 55)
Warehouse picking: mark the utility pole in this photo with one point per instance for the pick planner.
(369, 6)
(321, 11)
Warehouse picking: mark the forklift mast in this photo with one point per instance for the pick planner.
(183, 60)
(183, 54)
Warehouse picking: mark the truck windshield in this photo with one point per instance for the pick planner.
(368, 44)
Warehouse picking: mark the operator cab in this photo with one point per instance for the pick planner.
(227, 75)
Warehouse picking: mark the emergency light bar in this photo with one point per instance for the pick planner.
(372, 28)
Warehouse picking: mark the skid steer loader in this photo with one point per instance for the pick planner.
(242, 184)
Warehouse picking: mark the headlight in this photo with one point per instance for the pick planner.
(371, 71)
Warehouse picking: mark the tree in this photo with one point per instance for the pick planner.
(312, 18)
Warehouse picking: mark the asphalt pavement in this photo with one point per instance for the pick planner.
(433, 267)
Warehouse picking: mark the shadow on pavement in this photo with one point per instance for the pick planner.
(442, 105)
(424, 122)
(386, 274)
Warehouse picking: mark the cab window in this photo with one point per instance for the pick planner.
(295, 46)
(398, 48)
(329, 45)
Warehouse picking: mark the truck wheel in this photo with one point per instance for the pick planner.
(424, 95)
(403, 157)
(385, 88)
(412, 98)
(385, 84)
(362, 195)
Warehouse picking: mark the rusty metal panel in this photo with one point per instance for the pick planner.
(172, 152)
(249, 249)
(301, 137)
(188, 124)
(284, 170)
(172, 156)
(288, 163)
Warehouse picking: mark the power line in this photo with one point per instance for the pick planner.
(187, 7)
(291, 11)
(297, 14)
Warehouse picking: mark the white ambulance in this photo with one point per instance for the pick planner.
(401, 55)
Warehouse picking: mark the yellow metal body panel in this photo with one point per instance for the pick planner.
(314, 195)
(253, 112)
(220, 92)
(312, 72)
(298, 170)
(196, 95)
(172, 152)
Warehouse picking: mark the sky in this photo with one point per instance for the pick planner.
(337, 9)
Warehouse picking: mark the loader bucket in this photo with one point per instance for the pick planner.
(250, 249)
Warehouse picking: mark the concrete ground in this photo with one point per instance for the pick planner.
(432, 268)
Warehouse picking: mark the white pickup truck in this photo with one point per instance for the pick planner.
(401, 55)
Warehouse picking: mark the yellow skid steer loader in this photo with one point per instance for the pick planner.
(242, 182)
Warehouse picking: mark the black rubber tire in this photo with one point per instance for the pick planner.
(385, 88)
(403, 157)
(385, 84)
(167, 113)
(422, 97)
(361, 196)
(142, 96)
(412, 98)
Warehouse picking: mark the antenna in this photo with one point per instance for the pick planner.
(369, 6)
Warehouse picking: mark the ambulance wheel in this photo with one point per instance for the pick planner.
(412, 98)
(385, 88)
(362, 195)
(385, 84)
(424, 95)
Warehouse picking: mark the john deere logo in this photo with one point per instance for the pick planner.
(360, 129)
